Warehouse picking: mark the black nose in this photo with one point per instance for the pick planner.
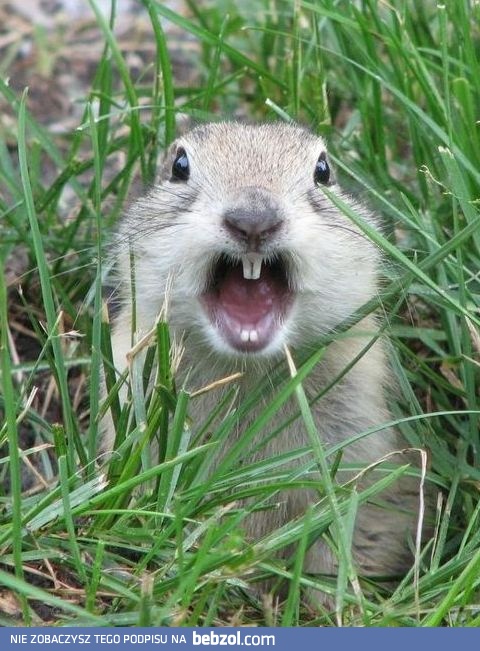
(253, 217)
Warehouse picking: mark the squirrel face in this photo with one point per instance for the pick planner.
(248, 248)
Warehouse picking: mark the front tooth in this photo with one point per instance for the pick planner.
(247, 268)
(253, 335)
(252, 266)
(256, 262)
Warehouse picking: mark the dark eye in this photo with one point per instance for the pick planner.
(180, 167)
(321, 175)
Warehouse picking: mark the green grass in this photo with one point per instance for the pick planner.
(395, 90)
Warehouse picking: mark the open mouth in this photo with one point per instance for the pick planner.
(248, 300)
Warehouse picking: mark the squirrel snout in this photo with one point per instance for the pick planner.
(253, 217)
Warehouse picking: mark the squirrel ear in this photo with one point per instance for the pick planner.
(164, 164)
(183, 123)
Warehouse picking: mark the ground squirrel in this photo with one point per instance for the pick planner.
(255, 256)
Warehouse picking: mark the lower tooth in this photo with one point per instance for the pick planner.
(249, 335)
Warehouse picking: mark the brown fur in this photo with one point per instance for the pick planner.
(177, 230)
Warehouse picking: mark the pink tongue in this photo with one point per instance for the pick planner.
(248, 301)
